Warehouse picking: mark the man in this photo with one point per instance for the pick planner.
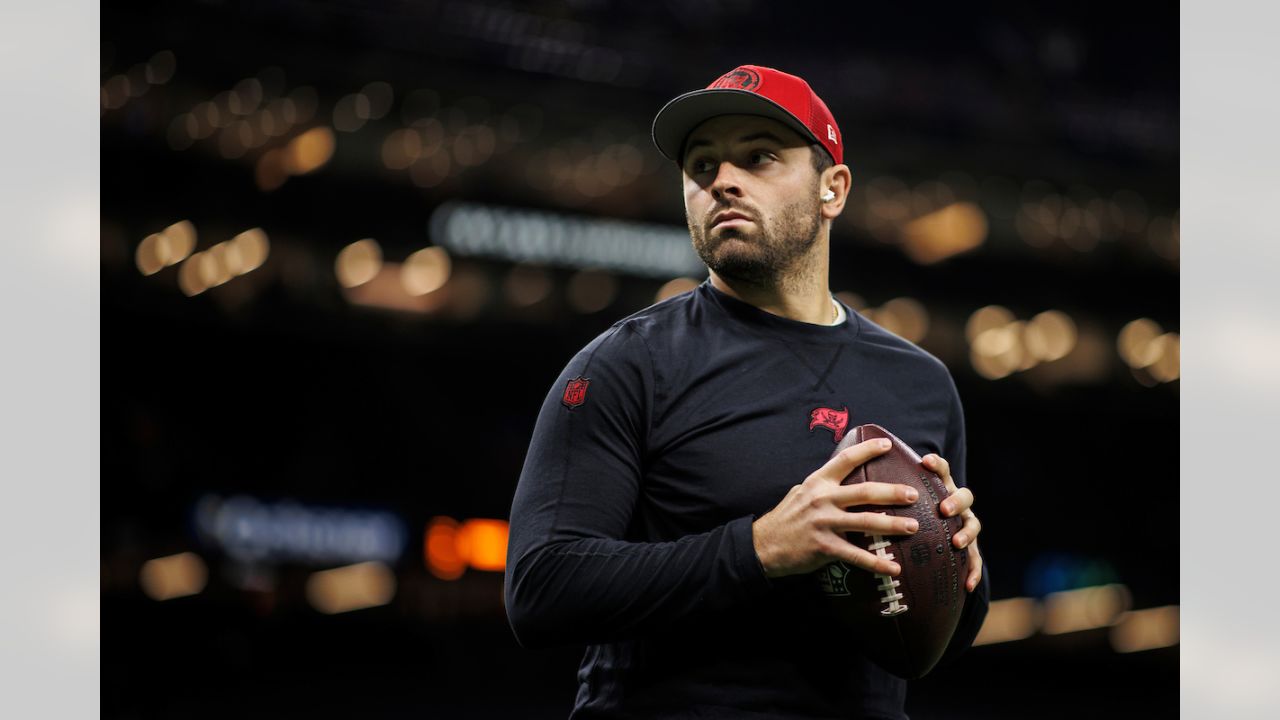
(678, 493)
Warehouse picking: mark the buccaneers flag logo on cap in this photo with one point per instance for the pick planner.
(738, 79)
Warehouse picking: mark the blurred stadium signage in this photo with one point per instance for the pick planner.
(642, 249)
(251, 530)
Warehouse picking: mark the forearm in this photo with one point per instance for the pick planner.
(594, 590)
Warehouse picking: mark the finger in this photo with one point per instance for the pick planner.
(938, 464)
(975, 568)
(873, 493)
(968, 533)
(958, 502)
(845, 461)
(874, 523)
(842, 549)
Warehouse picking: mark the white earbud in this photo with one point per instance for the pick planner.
(828, 196)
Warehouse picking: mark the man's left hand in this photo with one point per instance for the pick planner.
(959, 502)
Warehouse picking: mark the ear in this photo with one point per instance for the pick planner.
(839, 181)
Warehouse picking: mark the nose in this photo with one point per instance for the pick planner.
(726, 182)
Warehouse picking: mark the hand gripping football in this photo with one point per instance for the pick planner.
(903, 623)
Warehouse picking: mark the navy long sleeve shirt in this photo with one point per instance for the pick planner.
(656, 448)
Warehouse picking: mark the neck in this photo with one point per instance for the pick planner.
(801, 294)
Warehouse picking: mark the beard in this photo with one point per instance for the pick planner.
(763, 254)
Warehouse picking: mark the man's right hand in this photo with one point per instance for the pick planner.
(807, 529)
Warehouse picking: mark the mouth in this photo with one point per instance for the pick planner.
(729, 218)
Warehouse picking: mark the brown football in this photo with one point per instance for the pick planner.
(903, 623)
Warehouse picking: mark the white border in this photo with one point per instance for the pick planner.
(1230, 427)
(49, 383)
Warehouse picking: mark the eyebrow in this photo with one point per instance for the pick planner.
(762, 135)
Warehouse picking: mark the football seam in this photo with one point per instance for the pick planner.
(888, 585)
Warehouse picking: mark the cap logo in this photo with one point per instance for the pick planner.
(831, 134)
(739, 79)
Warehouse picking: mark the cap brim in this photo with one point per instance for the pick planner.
(678, 118)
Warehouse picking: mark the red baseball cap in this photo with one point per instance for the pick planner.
(749, 90)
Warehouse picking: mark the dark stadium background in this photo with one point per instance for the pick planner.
(1057, 121)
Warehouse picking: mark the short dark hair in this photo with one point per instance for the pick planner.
(821, 158)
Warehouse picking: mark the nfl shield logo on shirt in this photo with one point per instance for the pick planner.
(575, 393)
(831, 579)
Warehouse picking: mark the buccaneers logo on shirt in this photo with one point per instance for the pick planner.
(575, 393)
(834, 420)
